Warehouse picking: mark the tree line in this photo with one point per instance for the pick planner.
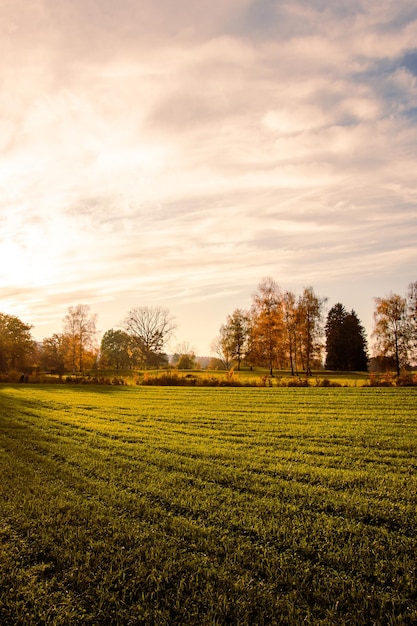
(284, 331)
(280, 331)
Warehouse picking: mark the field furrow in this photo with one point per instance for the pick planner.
(208, 506)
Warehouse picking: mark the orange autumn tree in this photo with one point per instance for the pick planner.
(267, 325)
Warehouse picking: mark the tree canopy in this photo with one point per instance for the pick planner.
(16, 343)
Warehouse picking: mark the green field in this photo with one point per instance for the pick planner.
(198, 506)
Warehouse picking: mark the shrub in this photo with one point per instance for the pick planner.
(386, 380)
(326, 382)
(408, 379)
(298, 382)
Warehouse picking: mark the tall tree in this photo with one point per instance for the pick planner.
(290, 317)
(412, 317)
(310, 309)
(357, 348)
(267, 324)
(346, 346)
(16, 343)
(80, 329)
(235, 333)
(392, 329)
(150, 328)
(336, 338)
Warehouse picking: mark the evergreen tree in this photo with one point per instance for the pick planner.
(357, 348)
(336, 339)
(346, 345)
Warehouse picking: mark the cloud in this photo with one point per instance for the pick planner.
(156, 152)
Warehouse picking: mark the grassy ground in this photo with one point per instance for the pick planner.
(143, 505)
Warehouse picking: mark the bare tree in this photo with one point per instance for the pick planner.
(150, 328)
(222, 348)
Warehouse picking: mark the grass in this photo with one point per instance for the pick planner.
(145, 505)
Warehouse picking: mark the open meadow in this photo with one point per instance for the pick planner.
(208, 506)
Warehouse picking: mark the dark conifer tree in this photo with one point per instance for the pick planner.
(357, 348)
(346, 346)
(336, 338)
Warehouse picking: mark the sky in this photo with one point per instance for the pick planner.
(172, 154)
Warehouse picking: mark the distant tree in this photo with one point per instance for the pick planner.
(215, 364)
(184, 357)
(16, 343)
(346, 347)
(186, 362)
(80, 330)
(267, 327)
(53, 353)
(116, 349)
(149, 328)
(310, 320)
(392, 329)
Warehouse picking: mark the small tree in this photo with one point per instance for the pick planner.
(184, 357)
(186, 362)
